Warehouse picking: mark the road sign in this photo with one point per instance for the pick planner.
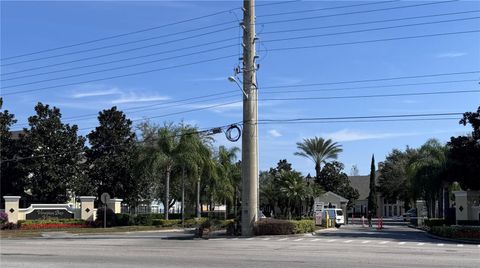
(104, 198)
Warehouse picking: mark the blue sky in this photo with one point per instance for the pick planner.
(33, 26)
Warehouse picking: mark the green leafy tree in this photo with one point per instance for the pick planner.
(11, 176)
(225, 188)
(55, 156)
(319, 151)
(112, 155)
(464, 154)
(333, 178)
(372, 196)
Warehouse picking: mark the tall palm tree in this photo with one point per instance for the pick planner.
(319, 151)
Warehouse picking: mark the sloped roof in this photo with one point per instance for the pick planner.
(362, 184)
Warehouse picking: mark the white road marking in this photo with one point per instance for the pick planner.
(316, 239)
(384, 242)
(251, 238)
(366, 241)
(402, 243)
(459, 245)
(479, 246)
(265, 239)
(331, 240)
(282, 239)
(300, 239)
(420, 244)
(440, 245)
(348, 241)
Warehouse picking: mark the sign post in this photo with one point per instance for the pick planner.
(104, 198)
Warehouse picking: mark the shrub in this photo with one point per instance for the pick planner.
(143, 219)
(3, 218)
(52, 221)
(9, 226)
(110, 217)
(304, 226)
(434, 222)
(468, 222)
(463, 232)
(158, 216)
(122, 219)
(195, 222)
(274, 227)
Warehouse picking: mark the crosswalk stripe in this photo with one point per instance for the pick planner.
(348, 241)
(440, 245)
(265, 239)
(236, 238)
(384, 242)
(365, 242)
(316, 239)
(282, 239)
(459, 245)
(402, 243)
(420, 244)
(331, 240)
(296, 240)
(251, 238)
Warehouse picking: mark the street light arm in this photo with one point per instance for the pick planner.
(233, 79)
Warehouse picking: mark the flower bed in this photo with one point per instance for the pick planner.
(36, 226)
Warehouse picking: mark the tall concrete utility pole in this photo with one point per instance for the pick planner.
(250, 129)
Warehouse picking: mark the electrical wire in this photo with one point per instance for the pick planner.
(354, 12)
(370, 41)
(360, 121)
(139, 31)
(120, 76)
(369, 30)
(109, 62)
(368, 22)
(125, 50)
(370, 96)
(125, 66)
(365, 87)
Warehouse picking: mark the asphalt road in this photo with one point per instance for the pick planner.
(353, 246)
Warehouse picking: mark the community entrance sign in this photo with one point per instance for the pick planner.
(42, 214)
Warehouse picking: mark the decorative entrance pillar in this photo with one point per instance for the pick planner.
(12, 207)
(87, 207)
(115, 204)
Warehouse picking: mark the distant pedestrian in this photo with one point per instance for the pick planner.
(369, 218)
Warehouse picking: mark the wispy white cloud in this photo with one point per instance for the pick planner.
(133, 97)
(274, 133)
(451, 54)
(96, 93)
(349, 135)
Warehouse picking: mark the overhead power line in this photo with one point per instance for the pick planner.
(120, 76)
(362, 87)
(125, 66)
(371, 96)
(359, 121)
(215, 42)
(366, 41)
(367, 22)
(359, 117)
(369, 30)
(352, 13)
(325, 8)
(108, 62)
(138, 31)
(125, 50)
(376, 79)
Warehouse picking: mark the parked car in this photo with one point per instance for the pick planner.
(337, 214)
(409, 214)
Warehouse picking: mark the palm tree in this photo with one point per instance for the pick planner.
(319, 151)
(224, 190)
(294, 189)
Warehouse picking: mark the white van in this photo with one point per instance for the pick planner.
(335, 213)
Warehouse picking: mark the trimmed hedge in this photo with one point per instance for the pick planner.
(461, 232)
(434, 222)
(123, 219)
(283, 227)
(304, 226)
(469, 223)
(51, 224)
